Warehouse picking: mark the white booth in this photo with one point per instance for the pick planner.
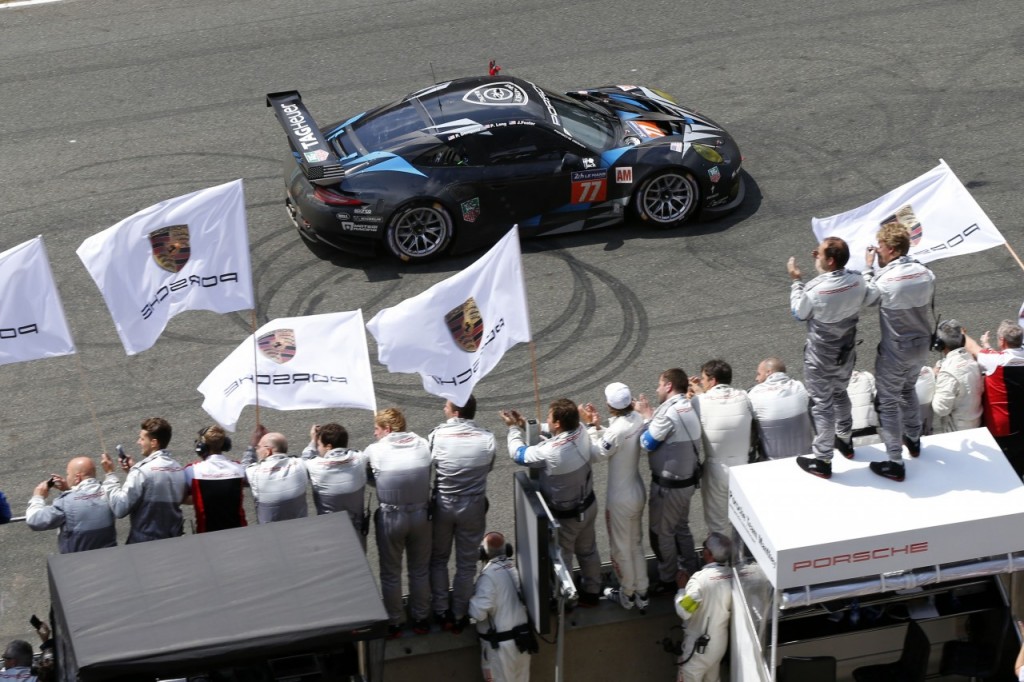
(844, 573)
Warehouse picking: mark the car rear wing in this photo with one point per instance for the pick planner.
(319, 163)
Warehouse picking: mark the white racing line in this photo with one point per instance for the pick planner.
(23, 3)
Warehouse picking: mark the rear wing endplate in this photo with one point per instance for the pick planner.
(319, 163)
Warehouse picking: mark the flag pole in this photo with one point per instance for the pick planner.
(1014, 254)
(88, 401)
(533, 347)
(536, 381)
(255, 359)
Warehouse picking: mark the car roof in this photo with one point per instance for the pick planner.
(483, 99)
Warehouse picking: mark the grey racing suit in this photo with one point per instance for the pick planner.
(400, 467)
(338, 478)
(726, 418)
(903, 290)
(567, 486)
(278, 484)
(671, 440)
(959, 386)
(82, 514)
(463, 454)
(705, 605)
(152, 494)
(830, 303)
(496, 607)
(780, 412)
(624, 502)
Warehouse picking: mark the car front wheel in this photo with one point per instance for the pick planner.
(419, 232)
(666, 199)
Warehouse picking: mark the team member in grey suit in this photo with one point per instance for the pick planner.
(670, 439)
(81, 512)
(338, 475)
(400, 469)
(830, 303)
(783, 424)
(903, 290)
(567, 486)
(278, 482)
(463, 455)
(154, 488)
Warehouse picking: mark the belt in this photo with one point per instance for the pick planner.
(674, 482)
(577, 510)
(495, 637)
(415, 507)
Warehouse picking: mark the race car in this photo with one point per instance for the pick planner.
(452, 167)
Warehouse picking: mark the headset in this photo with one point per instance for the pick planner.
(202, 449)
(508, 551)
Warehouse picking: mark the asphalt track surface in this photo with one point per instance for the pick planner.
(109, 106)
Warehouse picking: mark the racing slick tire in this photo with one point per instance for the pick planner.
(419, 232)
(666, 199)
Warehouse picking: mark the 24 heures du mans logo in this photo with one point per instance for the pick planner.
(171, 247)
(466, 325)
(278, 345)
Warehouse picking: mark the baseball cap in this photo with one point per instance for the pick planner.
(617, 395)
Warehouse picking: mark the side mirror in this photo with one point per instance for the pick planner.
(571, 161)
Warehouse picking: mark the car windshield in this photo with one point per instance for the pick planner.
(586, 124)
(376, 131)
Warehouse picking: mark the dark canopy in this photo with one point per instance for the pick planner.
(173, 606)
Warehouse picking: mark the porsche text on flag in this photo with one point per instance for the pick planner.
(454, 333)
(941, 215)
(186, 253)
(300, 363)
(32, 323)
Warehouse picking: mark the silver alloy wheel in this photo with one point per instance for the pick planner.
(419, 232)
(668, 198)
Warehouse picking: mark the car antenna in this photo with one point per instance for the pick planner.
(440, 107)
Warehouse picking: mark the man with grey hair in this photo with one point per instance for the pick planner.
(704, 603)
(1003, 402)
(830, 304)
(17, 662)
(781, 418)
(956, 403)
(278, 482)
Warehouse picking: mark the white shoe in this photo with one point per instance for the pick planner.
(641, 601)
(616, 594)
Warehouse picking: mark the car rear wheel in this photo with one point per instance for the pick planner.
(419, 232)
(666, 199)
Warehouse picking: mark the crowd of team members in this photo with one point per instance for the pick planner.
(431, 492)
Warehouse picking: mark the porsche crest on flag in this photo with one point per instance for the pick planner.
(457, 331)
(32, 322)
(303, 363)
(942, 217)
(186, 253)
(466, 325)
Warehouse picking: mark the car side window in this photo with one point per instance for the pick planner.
(519, 144)
(444, 155)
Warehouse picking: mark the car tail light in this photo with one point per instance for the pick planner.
(332, 198)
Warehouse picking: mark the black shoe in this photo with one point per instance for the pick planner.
(815, 467)
(913, 446)
(421, 627)
(660, 587)
(394, 631)
(459, 624)
(445, 619)
(845, 447)
(894, 471)
(589, 600)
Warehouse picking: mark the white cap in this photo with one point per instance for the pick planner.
(617, 395)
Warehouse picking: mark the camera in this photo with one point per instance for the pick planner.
(52, 481)
(121, 454)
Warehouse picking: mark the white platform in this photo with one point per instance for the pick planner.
(961, 500)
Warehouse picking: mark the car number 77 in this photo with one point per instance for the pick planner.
(587, 191)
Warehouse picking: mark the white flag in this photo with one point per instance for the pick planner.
(943, 218)
(186, 253)
(456, 331)
(300, 363)
(32, 323)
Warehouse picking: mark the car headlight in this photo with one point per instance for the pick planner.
(707, 153)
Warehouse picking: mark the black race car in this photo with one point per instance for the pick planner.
(453, 166)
